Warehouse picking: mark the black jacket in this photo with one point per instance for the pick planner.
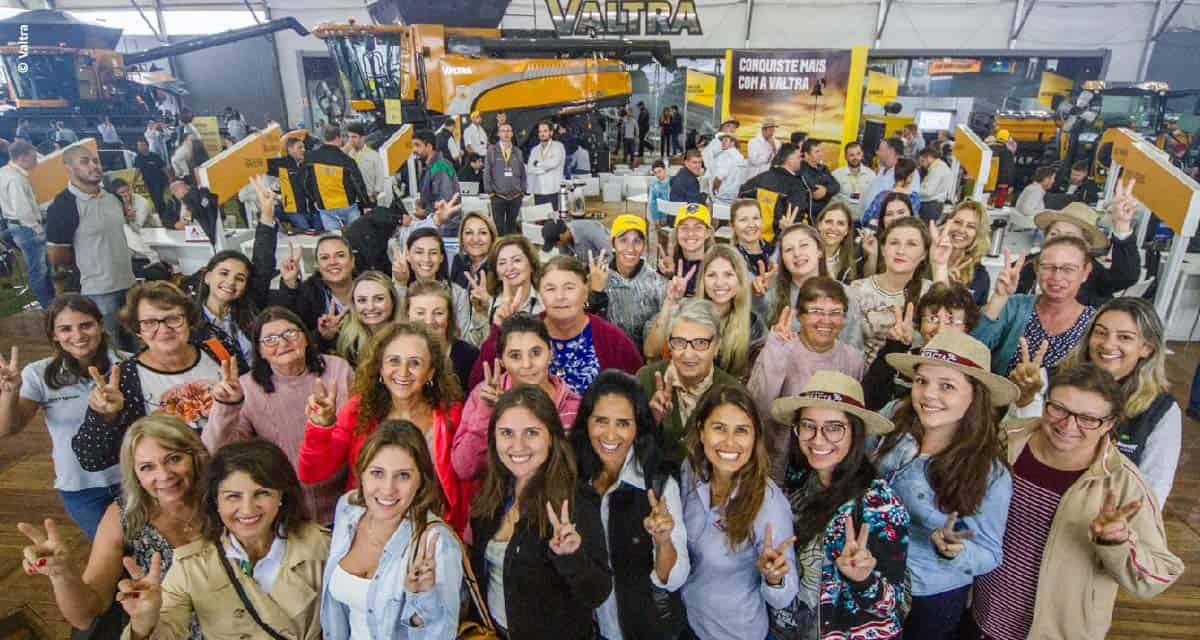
(812, 177)
(1104, 282)
(643, 123)
(789, 187)
(327, 157)
(685, 187)
(548, 596)
(309, 297)
(203, 206)
(154, 170)
(368, 237)
(295, 198)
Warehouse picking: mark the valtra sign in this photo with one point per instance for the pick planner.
(624, 17)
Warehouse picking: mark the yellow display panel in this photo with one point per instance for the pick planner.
(49, 177)
(701, 88)
(227, 172)
(397, 148)
(881, 88)
(1161, 186)
(1053, 85)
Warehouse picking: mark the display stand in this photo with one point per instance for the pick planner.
(972, 156)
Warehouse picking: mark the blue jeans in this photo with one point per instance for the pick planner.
(937, 616)
(1194, 401)
(110, 305)
(334, 219)
(301, 221)
(33, 247)
(87, 506)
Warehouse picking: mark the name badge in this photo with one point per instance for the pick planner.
(508, 173)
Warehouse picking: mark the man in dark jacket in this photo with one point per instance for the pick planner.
(820, 185)
(783, 178)
(334, 183)
(436, 183)
(293, 200)
(643, 123)
(154, 173)
(685, 185)
(368, 237)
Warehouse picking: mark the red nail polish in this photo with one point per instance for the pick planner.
(41, 562)
(135, 594)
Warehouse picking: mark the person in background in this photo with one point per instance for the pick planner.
(746, 219)
(475, 139)
(157, 139)
(139, 213)
(447, 143)
(501, 120)
(23, 218)
(431, 304)
(587, 240)
(914, 142)
(472, 169)
(84, 221)
(183, 160)
(622, 474)
(253, 517)
(235, 124)
(437, 184)
(539, 548)
(1080, 185)
(660, 190)
(60, 386)
(762, 149)
(64, 135)
(627, 126)
(374, 304)
(685, 185)
(635, 290)
(907, 182)
(852, 530)
(545, 167)
(969, 228)
(153, 170)
(890, 151)
(834, 225)
(782, 180)
(739, 522)
(25, 132)
(334, 182)
(643, 121)
(676, 130)
(108, 134)
(157, 513)
(504, 181)
(294, 204)
(476, 236)
(1003, 147)
(789, 359)
(1032, 200)
(819, 184)
(946, 464)
(715, 146)
(371, 165)
(727, 169)
(854, 177)
(1081, 524)
(1127, 339)
(664, 134)
(938, 186)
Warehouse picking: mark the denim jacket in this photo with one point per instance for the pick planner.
(389, 608)
(906, 471)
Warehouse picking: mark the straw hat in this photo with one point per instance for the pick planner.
(1078, 214)
(768, 123)
(831, 390)
(959, 351)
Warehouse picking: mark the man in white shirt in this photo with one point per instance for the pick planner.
(24, 217)
(853, 177)
(762, 149)
(370, 164)
(108, 133)
(713, 148)
(1032, 200)
(938, 186)
(727, 170)
(474, 137)
(545, 167)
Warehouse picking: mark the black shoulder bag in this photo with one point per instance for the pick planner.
(237, 586)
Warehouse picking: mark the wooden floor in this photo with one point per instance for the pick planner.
(26, 493)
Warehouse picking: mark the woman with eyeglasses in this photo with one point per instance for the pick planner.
(1081, 524)
(800, 258)
(171, 374)
(373, 304)
(788, 359)
(423, 259)
(1128, 340)
(269, 401)
(852, 530)
(946, 464)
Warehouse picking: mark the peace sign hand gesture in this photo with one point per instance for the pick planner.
(106, 398)
(783, 327)
(856, 561)
(659, 523)
(948, 542)
(479, 293)
(10, 373)
(902, 326)
(442, 209)
(489, 388)
(141, 594)
(940, 250)
(789, 218)
(399, 265)
(677, 287)
(267, 198)
(422, 571)
(1009, 276)
(1124, 207)
(289, 269)
(772, 562)
(664, 264)
(565, 539)
(598, 271)
(1111, 526)
(228, 390)
(320, 406)
(868, 241)
(762, 281)
(1027, 375)
(48, 555)
(511, 302)
(661, 404)
(328, 323)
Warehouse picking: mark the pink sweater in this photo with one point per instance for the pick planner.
(279, 417)
(468, 453)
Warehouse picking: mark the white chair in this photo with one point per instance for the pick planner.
(536, 213)
(475, 203)
(532, 233)
(611, 191)
(634, 184)
(591, 187)
(720, 212)
(641, 170)
(528, 201)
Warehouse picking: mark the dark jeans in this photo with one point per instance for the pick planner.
(550, 199)
(507, 215)
(87, 506)
(1194, 402)
(301, 221)
(630, 146)
(936, 617)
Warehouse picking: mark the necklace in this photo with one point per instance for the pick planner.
(186, 527)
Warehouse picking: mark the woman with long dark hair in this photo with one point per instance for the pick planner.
(424, 259)
(229, 295)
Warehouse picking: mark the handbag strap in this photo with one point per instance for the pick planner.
(473, 584)
(237, 586)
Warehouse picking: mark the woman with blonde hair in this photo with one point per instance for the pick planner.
(476, 235)
(373, 304)
(157, 512)
(970, 235)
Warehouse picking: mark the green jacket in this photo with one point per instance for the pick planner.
(673, 427)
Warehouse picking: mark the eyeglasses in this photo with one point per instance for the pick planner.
(806, 430)
(1067, 270)
(938, 322)
(697, 344)
(1057, 412)
(830, 314)
(150, 325)
(291, 335)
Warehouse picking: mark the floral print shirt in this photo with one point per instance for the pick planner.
(575, 360)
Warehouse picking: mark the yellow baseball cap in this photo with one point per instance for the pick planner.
(628, 222)
(1003, 135)
(693, 211)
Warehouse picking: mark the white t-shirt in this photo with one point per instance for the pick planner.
(184, 394)
(65, 408)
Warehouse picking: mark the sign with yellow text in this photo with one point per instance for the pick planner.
(210, 133)
(951, 66)
(881, 88)
(1053, 85)
(701, 88)
(227, 172)
(49, 177)
(1161, 186)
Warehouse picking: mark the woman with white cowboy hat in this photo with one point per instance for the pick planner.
(851, 529)
(946, 463)
(1079, 220)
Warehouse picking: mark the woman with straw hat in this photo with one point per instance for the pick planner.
(946, 463)
(851, 529)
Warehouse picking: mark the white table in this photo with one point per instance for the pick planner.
(189, 256)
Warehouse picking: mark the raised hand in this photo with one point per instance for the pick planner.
(10, 373)
(1027, 375)
(659, 523)
(1124, 206)
(489, 388)
(106, 398)
(598, 271)
(565, 540)
(328, 323)
(772, 562)
(940, 247)
(266, 199)
(48, 555)
(661, 403)
(228, 389)
(512, 300)
(762, 281)
(783, 327)
(422, 570)
(902, 325)
(479, 293)
(677, 287)
(665, 264)
(1111, 526)
(289, 269)
(789, 218)
(1009, 276)
(947, 541)
(868, 241)
(442, 210)
(320, 407)
(141, 594)
(856, 561)
(400, 265)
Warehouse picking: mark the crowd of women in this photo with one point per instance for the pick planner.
(809, 435)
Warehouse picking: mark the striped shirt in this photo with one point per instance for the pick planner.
(1005, 597)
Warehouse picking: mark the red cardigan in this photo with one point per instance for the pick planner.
(614, 350)
(325, 450)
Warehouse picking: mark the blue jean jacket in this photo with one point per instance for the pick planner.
(389, 608)
(930, 573)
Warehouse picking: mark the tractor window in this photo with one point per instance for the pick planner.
(370, 65)
(42, 76)
(1136, 112)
